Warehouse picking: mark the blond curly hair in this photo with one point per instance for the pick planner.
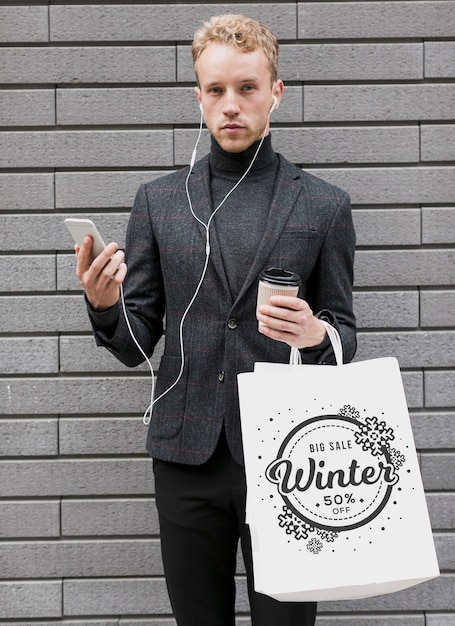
(243, 33)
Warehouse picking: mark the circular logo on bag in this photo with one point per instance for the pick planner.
(336, 472)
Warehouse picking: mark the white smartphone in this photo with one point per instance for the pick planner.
(79, 227)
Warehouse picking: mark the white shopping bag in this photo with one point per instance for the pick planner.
(335, 500)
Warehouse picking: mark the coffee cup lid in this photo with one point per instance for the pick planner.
(278, 276)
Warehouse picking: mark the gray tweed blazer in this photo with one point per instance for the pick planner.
(309, 231)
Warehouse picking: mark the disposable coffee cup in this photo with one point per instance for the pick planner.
(275, 281)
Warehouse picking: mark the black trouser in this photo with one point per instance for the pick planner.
(202, 510)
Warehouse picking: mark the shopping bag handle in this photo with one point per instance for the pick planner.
(335, 340)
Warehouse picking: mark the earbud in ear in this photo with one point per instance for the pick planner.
(200, 108)
(274, 105)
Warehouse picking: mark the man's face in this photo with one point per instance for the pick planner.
(236, 95)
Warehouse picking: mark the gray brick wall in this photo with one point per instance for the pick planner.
(97, 98)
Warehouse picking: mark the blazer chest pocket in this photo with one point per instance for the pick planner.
(297, 251)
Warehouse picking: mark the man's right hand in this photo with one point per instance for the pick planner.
(102, 276)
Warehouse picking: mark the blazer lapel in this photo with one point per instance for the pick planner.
(283, 201)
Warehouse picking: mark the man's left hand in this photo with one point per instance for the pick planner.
(292, 321)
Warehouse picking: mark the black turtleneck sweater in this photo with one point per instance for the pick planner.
(252, 199)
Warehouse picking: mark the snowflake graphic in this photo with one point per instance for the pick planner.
(349, 411)
(327, 535)
(396, 458)
(374, 435)
(314, 546)
(293, 525)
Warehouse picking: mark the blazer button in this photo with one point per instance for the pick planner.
(232, 323)
(221, 376)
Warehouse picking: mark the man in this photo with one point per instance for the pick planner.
(197, 241)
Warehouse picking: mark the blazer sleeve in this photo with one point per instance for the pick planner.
(143, 293)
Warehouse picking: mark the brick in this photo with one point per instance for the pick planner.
(85, 622)
(116, 596)
(63, 559)
(412, 349)
(413, 388)
(441, 507)
(30, 599)
(387, 227)
(127, 106)
(80, 354)
(437, 308)
(348, 145)
(26, 192)
(65, 622)
(77, 65)
(371, 620)
(386, 309)
(403, 102)
(433, 430)
(148, 106)
(26, 273)
(32, 232)
(49, 233)
(170, 23)
(351, 61)
(445, 549)
(443, 619)
(394, 185)
(164, 622)
(29, 355)
(27, 107)
(102, 436)
(438, 142)
(41, 313)
(109, 517)
(28, 437)
(84, 477)
(393, 268)
(440, 388)
(358, 20)
(24, 24)
(103, 395)
(438, 471)
(438, 225)
(115, 148)
(437, 593)
(439, 59)
(89, 190)
(168, 622)
(29, 519)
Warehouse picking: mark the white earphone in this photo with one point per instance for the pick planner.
(274, 105)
